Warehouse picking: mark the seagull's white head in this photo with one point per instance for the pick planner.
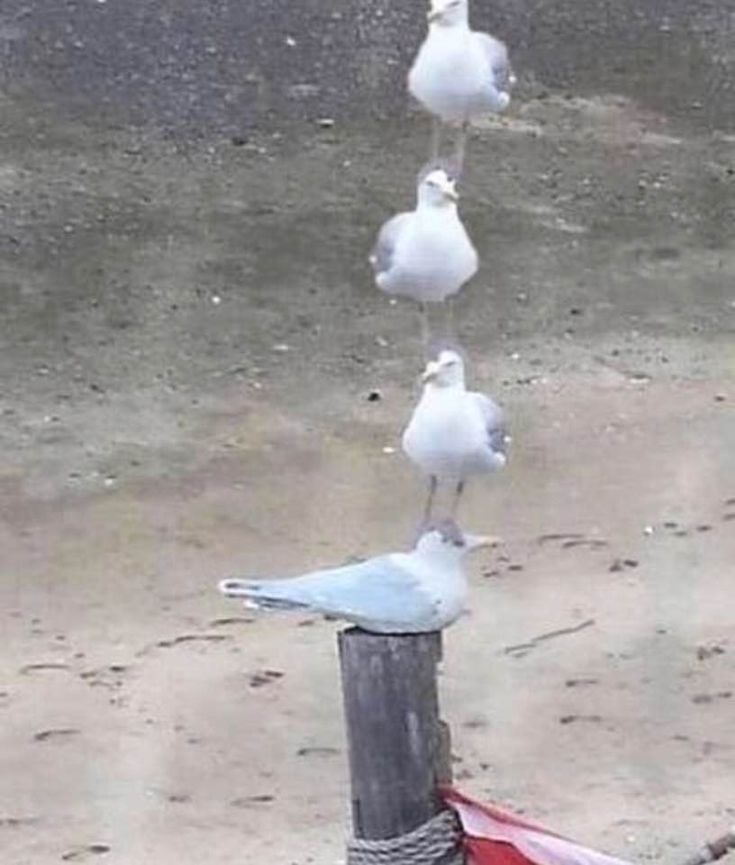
(447, 540)
(448, 13)
(446, 371)
(437, 189)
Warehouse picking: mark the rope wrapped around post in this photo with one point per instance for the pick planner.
(436, 842)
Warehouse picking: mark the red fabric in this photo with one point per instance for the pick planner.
(484, 852)
(451, 797)
(493, 836)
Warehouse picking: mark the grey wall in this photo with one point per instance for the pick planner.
(222, 66)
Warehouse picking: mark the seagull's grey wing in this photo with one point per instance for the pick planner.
(495, 425)
(497, 55)
(381, 258)
(376, 590)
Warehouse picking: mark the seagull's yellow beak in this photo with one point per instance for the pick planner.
(450, 190)
(431, 372)
(434, 14)
(481, 542)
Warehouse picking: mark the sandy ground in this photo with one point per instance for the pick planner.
(190, 338)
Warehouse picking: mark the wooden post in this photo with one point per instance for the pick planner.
(398, 748)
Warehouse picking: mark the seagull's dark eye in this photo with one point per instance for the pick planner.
(453, 540)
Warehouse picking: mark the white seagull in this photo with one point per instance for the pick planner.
(426, 253)
(399, 593)
(454, 433)
(459, 73)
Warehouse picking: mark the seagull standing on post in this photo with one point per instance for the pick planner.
(459, 73)
(426, 254)
(398, 593)
(454, 433)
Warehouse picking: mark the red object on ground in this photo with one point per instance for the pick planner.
(497, 837)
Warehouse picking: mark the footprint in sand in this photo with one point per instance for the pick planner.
(704, 653)
(78, 854)
(59, 733)
(252, 801)
(110, 677)
(27, 669)
(618, 565)
(680, 531)
(232, 620)
(266, 677)
(181, 640)
(572, 540)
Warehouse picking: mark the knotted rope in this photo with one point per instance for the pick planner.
(436, 842)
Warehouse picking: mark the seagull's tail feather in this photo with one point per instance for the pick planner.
(261, 595)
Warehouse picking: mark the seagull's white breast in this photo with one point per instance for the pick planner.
(434, 256)
(447, 437)
(451, 75)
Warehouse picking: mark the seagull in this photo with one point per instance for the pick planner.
(453, 433)
(398, 593)
(458, 73)
(426, 253)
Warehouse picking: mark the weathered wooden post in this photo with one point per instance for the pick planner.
(398, 747)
